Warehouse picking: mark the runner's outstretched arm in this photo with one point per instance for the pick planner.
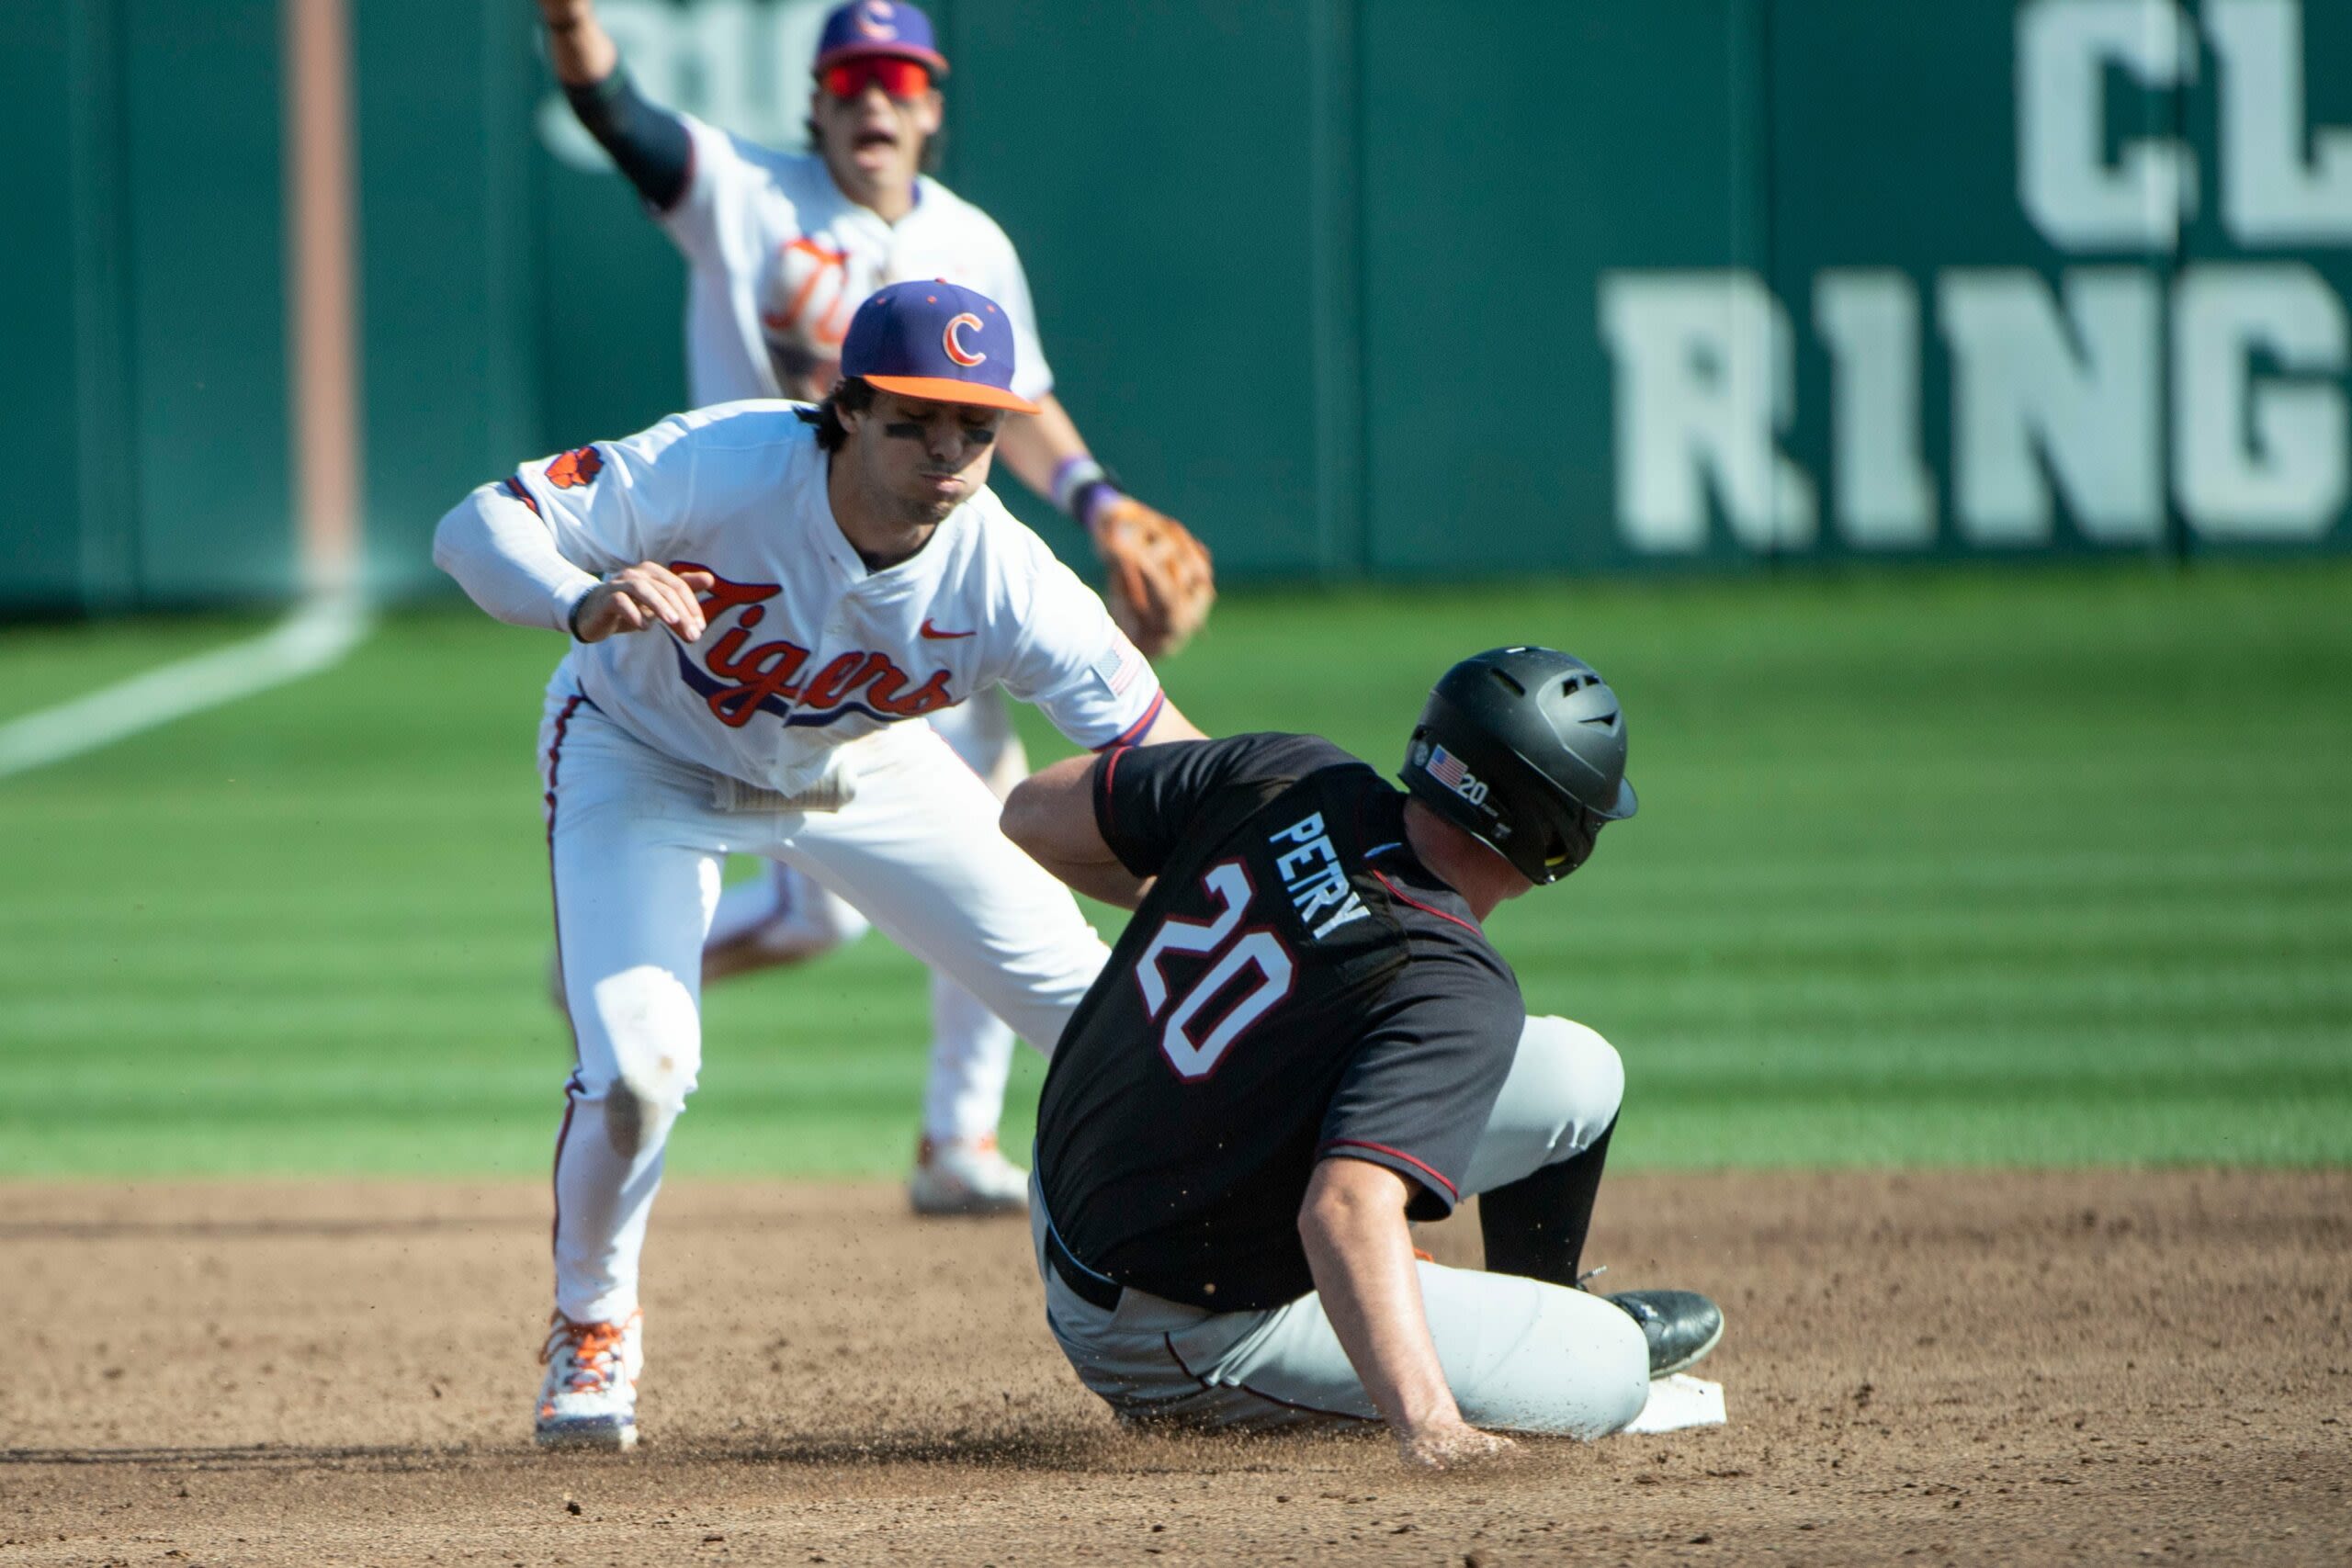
(1051, 815)
(1352, 1225)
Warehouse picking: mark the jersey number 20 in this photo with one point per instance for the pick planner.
(1256, 953)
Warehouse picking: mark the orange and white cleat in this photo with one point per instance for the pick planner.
(966, 1175)
(589, 1399)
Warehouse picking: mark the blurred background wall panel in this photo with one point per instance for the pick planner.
(1355, 287)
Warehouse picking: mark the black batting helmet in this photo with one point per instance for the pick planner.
(1524, 749)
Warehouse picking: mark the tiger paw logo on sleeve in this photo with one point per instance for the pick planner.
(576, 469)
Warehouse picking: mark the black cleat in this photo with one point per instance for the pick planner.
(1681, 1327)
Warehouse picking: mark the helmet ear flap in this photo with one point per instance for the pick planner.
(1570, 841)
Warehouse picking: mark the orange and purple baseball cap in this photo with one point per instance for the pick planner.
(863, 29)
(936, 341)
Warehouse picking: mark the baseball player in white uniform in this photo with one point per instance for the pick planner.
(781, 248)
(768, 601)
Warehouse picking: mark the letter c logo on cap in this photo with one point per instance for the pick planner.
(875, 18)
(956, 351)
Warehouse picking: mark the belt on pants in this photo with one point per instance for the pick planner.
(1090, 1287)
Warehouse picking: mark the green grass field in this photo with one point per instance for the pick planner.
(2002, 867)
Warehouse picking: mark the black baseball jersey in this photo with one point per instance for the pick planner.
(1296, 986)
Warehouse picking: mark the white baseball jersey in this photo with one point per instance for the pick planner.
(805, 647)
(779, 260)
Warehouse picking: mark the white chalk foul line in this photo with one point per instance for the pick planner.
(314, 638)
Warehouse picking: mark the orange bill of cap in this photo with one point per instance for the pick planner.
(947, 390)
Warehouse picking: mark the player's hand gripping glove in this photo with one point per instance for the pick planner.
(1160, 582)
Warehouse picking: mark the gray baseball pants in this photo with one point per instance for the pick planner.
(1521, 1355)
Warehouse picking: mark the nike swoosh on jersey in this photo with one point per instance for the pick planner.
(935, 634)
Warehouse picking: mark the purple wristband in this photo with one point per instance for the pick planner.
(1082, 488)
(1094, 499)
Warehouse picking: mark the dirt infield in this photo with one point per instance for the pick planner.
(2118, 1366)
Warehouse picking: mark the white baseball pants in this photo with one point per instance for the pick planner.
(793, 916)
(636, 839)
(1521, 1355)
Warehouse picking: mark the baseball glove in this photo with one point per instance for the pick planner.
(1160, 587)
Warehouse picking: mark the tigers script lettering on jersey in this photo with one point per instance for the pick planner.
(805, 647)
(767, 676)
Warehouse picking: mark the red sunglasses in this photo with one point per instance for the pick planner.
(900, 78)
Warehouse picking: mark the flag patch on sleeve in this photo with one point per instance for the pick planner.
(1118, 667)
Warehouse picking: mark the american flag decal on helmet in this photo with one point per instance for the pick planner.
(1447, 768)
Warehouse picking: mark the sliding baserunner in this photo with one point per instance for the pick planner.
(1301, 1041)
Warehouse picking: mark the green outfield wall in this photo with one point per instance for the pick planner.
(1388, 288)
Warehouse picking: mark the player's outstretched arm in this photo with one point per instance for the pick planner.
(649, 143)
(505, 559)
(579, 47)
(507, 563)
(1353, 1224)
(1050, 814)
